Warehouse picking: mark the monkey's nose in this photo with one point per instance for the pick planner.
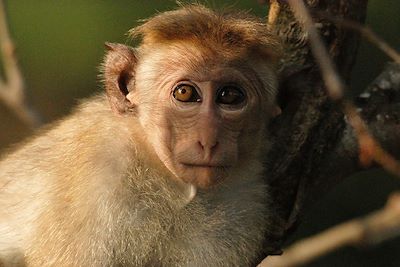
(208, 148)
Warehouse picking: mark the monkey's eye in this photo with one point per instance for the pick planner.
(230, 95)
(186, 93)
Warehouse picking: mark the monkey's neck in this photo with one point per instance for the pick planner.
(157, 219)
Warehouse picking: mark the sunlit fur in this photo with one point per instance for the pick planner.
(103, 187)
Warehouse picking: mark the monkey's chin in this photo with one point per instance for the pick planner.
(203, 176)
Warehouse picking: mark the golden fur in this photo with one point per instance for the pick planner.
(66, 216)
(91, 191)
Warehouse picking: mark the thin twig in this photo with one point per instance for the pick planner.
(366, 32)
(369, 148)
(12, 86)
(333, 82)
(335, 88)
(374, 228)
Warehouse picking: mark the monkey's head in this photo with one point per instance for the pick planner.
(202, 85)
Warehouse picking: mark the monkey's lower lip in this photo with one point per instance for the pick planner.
(200, 165)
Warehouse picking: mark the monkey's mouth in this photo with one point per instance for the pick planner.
(204, 175)
(205, 165)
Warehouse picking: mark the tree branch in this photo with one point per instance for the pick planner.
(372, 229)
(333, 82)
(12, 87)
(367, 33)
(308, 134)
(314, 144)
(369, 149)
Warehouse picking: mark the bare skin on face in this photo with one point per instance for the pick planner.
(165, 168)
(205, 112)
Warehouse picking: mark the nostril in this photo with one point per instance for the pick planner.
(214, 145)
(207, 145)
(200, 145)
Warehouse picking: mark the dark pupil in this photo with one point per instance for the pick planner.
(183, 90)
(231, 96)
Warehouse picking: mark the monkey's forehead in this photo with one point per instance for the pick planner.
(194, 55)
(230, 31)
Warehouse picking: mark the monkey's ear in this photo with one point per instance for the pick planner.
(118, 74)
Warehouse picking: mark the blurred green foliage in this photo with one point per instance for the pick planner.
(60, 45)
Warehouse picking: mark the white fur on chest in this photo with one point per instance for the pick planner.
(223, 227)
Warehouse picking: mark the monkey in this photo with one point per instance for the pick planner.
(163, 168)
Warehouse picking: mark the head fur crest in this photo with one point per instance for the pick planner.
(223, 29)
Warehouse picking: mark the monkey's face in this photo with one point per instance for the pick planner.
(203, 119)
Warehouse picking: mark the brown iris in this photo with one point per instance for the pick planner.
(230, 95)
(186, 93)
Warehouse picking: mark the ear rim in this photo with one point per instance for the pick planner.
(118, 69)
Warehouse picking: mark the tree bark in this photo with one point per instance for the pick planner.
(314, 147)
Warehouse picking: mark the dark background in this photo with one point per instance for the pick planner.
(60, 46)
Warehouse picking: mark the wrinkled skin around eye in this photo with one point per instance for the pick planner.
(184, 93)
(230, 95)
